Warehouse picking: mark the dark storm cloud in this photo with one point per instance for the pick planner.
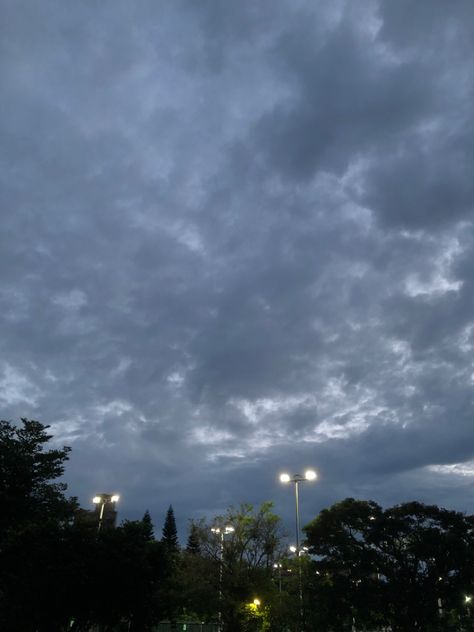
(238, 238)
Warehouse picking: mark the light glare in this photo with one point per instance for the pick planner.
(96, 500)
(310, 475)
(285, 478)
(115, 498)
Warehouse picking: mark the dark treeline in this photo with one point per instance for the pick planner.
(405, 568)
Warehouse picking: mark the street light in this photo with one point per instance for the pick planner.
(222, 532)
(278, 566)
(296, 479)
(302, 550)
(102, 500)
(309, 475)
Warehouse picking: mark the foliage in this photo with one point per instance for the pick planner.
(194, 544)
(34, 528)
(239, 563)
(406, 567)
(27, 494)
(170, 533)
(57, 572)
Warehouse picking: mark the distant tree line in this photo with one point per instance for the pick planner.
(405, 568)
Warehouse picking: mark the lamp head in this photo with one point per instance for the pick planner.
(310, 475)
(285, 478)
(97, 500)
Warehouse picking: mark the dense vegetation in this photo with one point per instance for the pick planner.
(409, 567)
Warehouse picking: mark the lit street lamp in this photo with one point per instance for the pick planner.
(278, 566)
(222, 532)
(296, 479)
(101, 500)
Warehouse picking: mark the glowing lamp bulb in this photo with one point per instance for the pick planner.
(285, 478)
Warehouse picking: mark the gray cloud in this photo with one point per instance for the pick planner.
(239, 240)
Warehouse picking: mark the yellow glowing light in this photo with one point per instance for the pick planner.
(256, 602)
(285, 478)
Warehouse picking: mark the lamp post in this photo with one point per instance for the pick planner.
(221, 532)
(101, 500)
(296, 479)
(278, 566)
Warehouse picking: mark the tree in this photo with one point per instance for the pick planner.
(405, 567)
(148, 528)
(194, 545)
(35, 521)
(27, 493)
(170, 533)
(245, 555)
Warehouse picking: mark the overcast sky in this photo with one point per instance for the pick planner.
(237, 237)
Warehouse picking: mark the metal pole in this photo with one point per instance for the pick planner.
(300, 582)
(101, 515)
(221, 558)
(297, 518)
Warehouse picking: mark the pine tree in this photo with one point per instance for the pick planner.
(148, 526)
(194, 545)
(170, 534)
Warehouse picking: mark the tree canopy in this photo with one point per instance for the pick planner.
(408, 566)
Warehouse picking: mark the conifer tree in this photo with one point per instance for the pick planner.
(194, 545)
(170, 534)
(148, 526)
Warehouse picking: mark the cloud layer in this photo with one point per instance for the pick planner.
(238, 238)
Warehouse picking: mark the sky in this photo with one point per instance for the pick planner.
(237, 239)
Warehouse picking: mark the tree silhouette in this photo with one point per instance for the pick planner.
(194, 544)
(148, 528)
(406, 567)
(170, 534)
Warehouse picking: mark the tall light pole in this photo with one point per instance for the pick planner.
(221, 532)
(296, 479)
(101, 500)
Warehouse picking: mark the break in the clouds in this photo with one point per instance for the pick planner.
(238, 237)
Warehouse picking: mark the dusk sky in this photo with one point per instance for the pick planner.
(237, 238)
